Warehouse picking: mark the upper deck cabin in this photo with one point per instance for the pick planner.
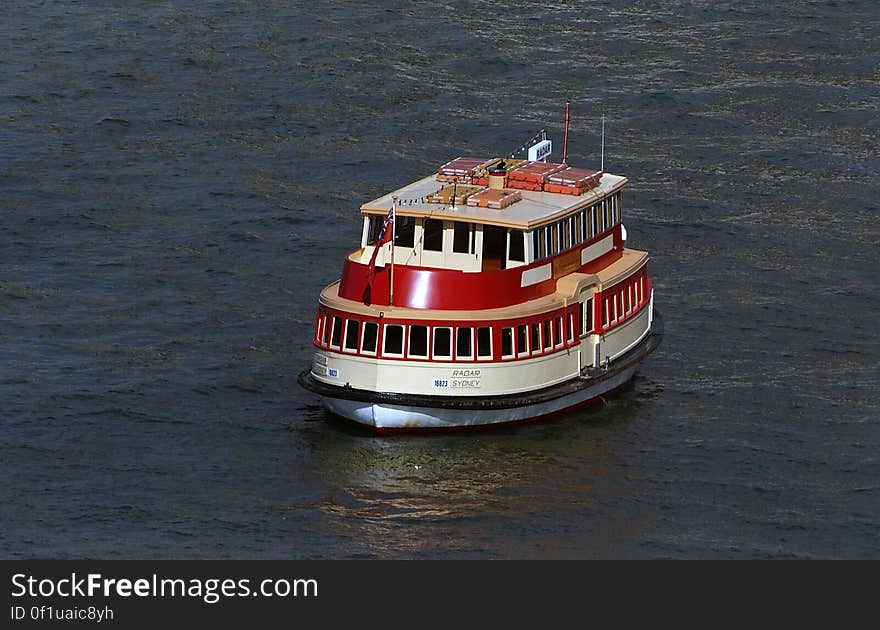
(472, 217)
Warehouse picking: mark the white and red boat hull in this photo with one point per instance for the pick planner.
(395, 412)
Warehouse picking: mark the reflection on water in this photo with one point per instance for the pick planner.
(415, 495)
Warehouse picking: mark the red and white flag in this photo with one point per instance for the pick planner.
(385, 235)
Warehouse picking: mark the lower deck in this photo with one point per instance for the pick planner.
(497, 358)
(395, 411)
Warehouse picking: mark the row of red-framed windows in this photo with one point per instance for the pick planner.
(625, 299)
(498, 341)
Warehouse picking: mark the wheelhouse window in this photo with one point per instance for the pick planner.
(374, 226)
(463, 237)
(464, 343)
(484, 342)
(442, 343)
(352, 328)
(393, 343)
(405, 230)
(516, 252)
(432, 240)
(418, 342)
(615, 208)
(539, 243)
(368, 343)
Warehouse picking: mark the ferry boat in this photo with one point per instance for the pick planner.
(493, 291)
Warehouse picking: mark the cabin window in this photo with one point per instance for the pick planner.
(336, 335)
(553, 236)
(517, 252)
(608, 222)
(594, 221)
(405, 231)
(507, 342)
(566, 234)
(319, 323)
(373, 228)
(484, 342)
(605, 311)
(393, 344)
(432, 240)
(418, 342)
(442, 343)
(536, 337)
(325, 333)
(464, 343)
(578, 228)
(570, 328)
(587, 316)
(628, 298)
(463, 237)
(368, 344)
(352, 328)
(547, 334)
(557, 332)
(522, 340)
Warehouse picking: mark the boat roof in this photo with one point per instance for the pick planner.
(535, 208)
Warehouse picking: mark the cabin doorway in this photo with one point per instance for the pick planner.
(494, 247)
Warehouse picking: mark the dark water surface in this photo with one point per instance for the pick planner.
(179, 180)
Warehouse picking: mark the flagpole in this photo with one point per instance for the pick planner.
(393, 238)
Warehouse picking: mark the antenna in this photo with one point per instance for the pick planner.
(603, 143)
(565, 139)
